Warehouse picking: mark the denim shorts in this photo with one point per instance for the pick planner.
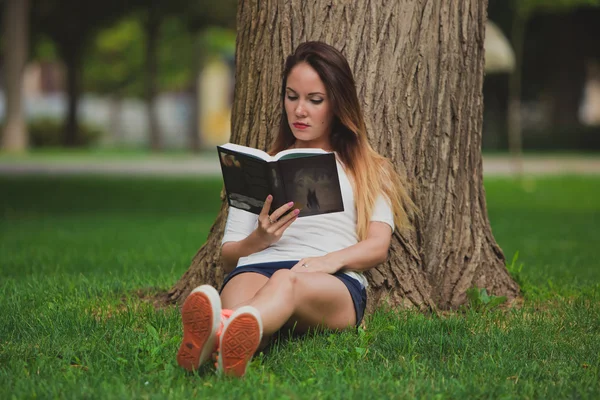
(357, 292)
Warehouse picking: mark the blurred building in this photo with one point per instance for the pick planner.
(125, 121)
(216, 97)
(590, 109)
(499, 55)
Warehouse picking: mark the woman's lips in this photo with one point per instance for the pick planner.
(300, 126)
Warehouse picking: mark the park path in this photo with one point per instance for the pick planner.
(493, 165)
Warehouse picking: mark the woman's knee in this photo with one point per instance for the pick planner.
(285, 277)
(287, 281)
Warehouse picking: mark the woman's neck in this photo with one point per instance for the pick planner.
(309, 145)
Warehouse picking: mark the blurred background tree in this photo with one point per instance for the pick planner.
(538, 106)
(15, 32)
(71, 25)
(523, 10)
(195, 16)
(114, 67)
(143, 62)
(120, 49)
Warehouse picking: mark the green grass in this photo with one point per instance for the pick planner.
(549, 153)
(100, 154)
(73, 251)
(554, 225)
(133, 154)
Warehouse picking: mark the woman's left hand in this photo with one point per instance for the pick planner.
(325, 264)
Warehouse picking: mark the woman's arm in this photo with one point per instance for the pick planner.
(367, 253)
(232, 251)
(362, 256)
(268, 231)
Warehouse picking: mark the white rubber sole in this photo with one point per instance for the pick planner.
(239, 341)
(201, 318)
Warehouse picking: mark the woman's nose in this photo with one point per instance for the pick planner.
(300, 111)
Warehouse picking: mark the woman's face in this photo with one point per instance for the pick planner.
(307, 107)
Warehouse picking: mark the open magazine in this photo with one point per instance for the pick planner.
(308, 177)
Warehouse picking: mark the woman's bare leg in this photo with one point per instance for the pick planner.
(309, 299)
(241, 288)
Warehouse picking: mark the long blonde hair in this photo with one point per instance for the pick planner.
(371, 173)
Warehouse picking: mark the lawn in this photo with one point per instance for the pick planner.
(74, 251)
(61, 155)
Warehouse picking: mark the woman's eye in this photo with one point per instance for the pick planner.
(292, 98)
(316, 101)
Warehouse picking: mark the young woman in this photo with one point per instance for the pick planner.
(301, 273)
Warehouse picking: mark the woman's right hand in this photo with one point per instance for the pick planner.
(271, 227)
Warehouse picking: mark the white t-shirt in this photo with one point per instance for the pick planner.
(311, 236)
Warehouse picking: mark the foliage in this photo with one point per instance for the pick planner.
(111, 34)
(480, 300)
(115, 62)
(45, 49)
(48, 132)
(71, 24)
(217, 41)
(528, 7)
(579, 138)
(73, 326)
(515, 270)
(175, 54)
(198, 15)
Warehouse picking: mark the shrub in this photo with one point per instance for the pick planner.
(49, 132)
(573, 138)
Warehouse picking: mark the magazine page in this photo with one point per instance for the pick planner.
(246, 180)
(312, 184)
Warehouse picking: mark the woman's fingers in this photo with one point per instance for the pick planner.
(303, 265)
(280, 211)
(298, 264)
(272, 226)
(286, 221)
(266, 207)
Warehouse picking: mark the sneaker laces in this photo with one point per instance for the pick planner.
(225, 314)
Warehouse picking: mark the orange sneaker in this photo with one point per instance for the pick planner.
(225, 315)
(201, 317)
(239, 341)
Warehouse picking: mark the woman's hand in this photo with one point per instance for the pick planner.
(327, 263)
(271, 227)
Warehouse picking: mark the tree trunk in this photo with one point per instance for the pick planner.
(15, 23)
(72, 57)
(419, 72)
(152, 34)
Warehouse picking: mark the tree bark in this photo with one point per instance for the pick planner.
(15, 23)
(419, 72)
